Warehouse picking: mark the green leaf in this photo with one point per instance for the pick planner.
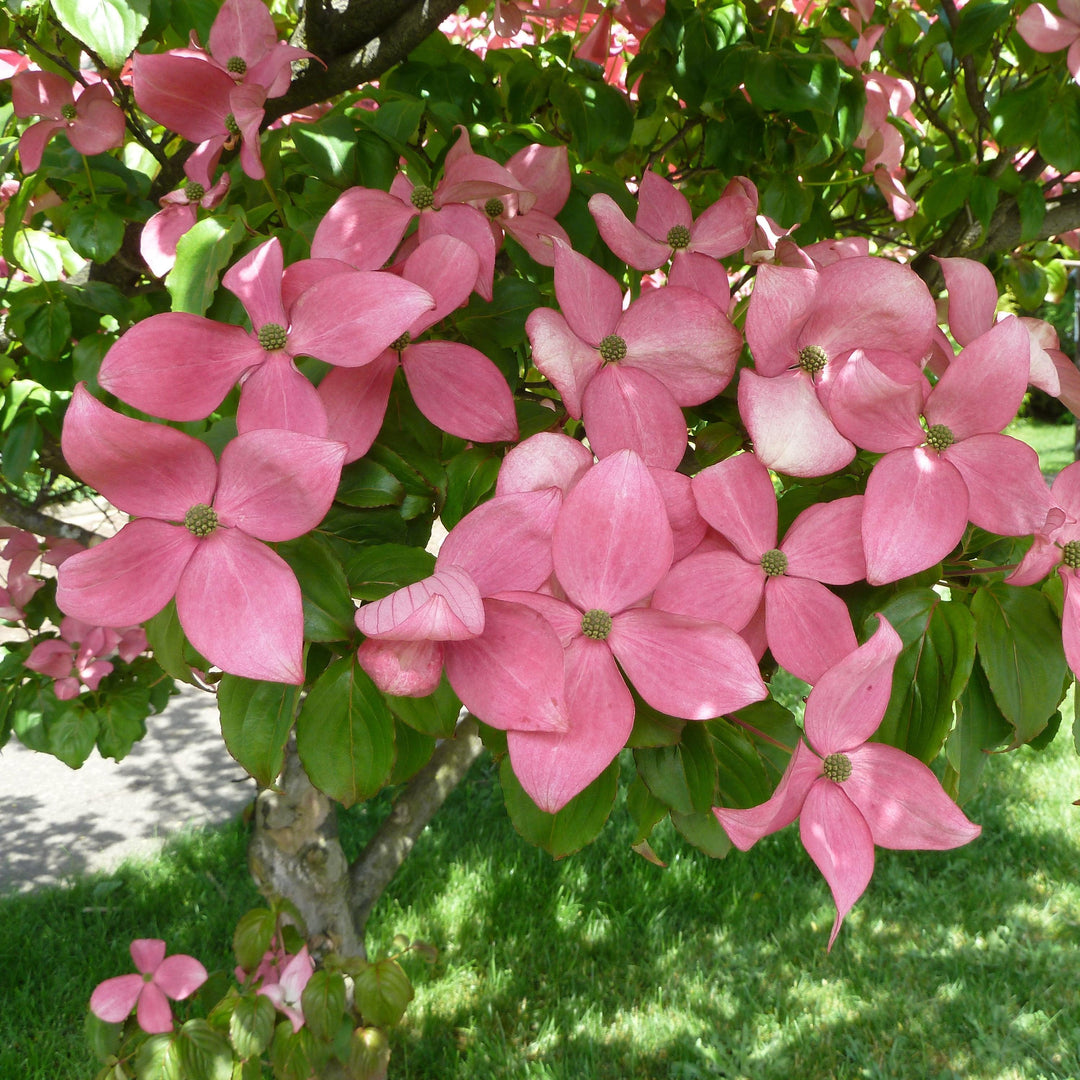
(21, 444)
(345, 734)
(251, 1025)
(786, 200)
(435, 715)
(329, 147)
(202, 253)
(292, 1053)
(252, 937)
(703, 831)
(598, 116)
(376, 571)
(204, 1053)
(48, 330)
(95, 232)
(1032, 207)
(741, 776)
(383, 992)
(794, 82)
(682, 776)
(930, 673)
(103, 1037)
(122, 721)
(398, 119)
(256, 718)
(369, 1054)
(111, 28)
(470, 478)
(151, 1060)
(982, 198)
(73, 730)
(412, 751)
(328, 608)
(1059, 139)
(366, 483)
(169, 645)
(578, 823)
(645, 809)
(980, 726)
(1019, 645)
(323, 1003)
(977, 25)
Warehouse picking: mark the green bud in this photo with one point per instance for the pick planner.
(422, 197)
(201, 519)
(1070, 554)
(939, 437)
(494, 207)
(272, 336)
(812, 358)
(236, 65)
(231, 126)
(194, 192)
(69, 112)
(400, 344)
(596, 624)
(678, 237)
(838, 767)
(613, 348)
(774, 562)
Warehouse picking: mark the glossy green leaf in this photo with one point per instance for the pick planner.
(703, 831)
(111, 28)
(201, 255)
(412, 751)
(95, 232)
(251, 1025)
(930, 673)
(435, 715)
(345, 734)
(383, 992)
(1019, 644)
(578, 823)
(323, 1003)
(377, 570)
(682, 776)
(121, 719)
(256, 718)
(645, 809)
(329, 612)
(366, 483)
(204, 1053)
(48, 330)
(980, 726)
(253, 936)
(470, 479)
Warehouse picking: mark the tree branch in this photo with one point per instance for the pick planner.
(414, 808)
(352, 62)
(26, 517)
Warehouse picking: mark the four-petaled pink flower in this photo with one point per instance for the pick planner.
(198, 532)
(287, 990)
(162, 978)
(92, 121)
(851, 794)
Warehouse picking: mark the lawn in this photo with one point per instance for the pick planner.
(954, 964)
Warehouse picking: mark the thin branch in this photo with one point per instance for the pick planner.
(26, 517)
(370, 874)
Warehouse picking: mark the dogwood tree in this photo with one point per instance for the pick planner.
(696, 327)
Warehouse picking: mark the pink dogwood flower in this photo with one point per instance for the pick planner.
(77, 658)
(288, 989)
(611, 546)
(808, 628)
(197, 534)
(162, 978)
(1046, 32)
(21, 551)
(89, 117)
(851, 794)
(664, 227)
(933, 479)
(180, 366)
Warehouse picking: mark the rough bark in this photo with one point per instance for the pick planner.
(26, 517)
(295, 853)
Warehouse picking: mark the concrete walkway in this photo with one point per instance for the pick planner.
(57, 822)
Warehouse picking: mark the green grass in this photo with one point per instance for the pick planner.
(1055, 443)
(953, 964)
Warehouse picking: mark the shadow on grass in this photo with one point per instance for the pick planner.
(954, 964)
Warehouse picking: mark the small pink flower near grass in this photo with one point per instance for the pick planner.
(162, 978)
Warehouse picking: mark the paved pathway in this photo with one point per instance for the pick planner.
(57, 822)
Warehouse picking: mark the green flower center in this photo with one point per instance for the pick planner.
(422, 197)
(613, 348)
(838, 767)
(231, 126)
(596, 624)
(1070, 554)
(399, 344)
(68, 112)
(194, 192)
(237, 65)
(678, 237)
(812, 358)
(201, 519)
(774, 562)
(272, 336)
(939, 437)
(494, 207)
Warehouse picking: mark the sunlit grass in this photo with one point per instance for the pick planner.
(1055, 443)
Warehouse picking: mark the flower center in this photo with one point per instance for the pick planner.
(201, 519)
(399, 344)
(272, 336)
(678, 237)
(812, 358)
(596, 624)
(231, 126)
(194, 192)
(236, 65)
(939, 437)
(1070, 554)
(68, 112)
(774, 562)
(838, 767)
(494, 207)
(422, 197)
(613, 348)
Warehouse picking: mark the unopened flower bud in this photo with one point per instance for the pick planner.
(400, 344)
(838, 767)
(596, 624)
(774, 562)
(236, 65)
(812, 358)
(231, 126)
(1070, 554)
(272, 336)
(939, 437)
(678, 237)
(194, 192)
(494, 207)
(201, 519)
(422, 197)
(69, 112)
(613, 348)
